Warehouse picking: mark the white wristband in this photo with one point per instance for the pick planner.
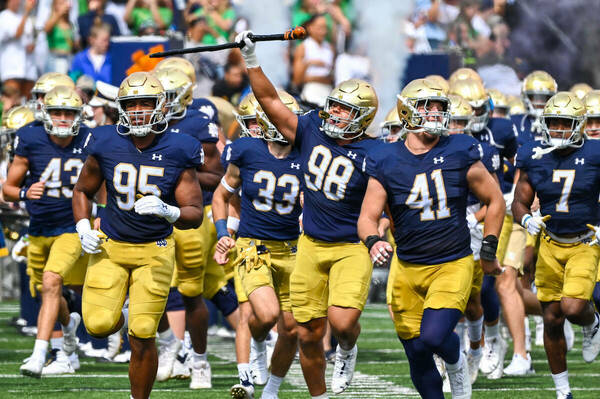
(524, 219)
(227, 186)
(233, 224)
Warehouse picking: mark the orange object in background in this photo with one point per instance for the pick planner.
(142, 61)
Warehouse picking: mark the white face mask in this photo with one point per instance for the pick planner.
(558, 142)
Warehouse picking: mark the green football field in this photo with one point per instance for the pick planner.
(381, 371)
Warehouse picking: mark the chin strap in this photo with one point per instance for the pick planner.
(539, 152)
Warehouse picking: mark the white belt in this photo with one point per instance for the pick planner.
(570, 240)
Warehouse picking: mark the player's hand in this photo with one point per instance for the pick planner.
(472, 221)
(381, 253)
(534, 224)
(152, 205)
(97, 223)
(90, 239)
(491, 267)
(596, 231)
(224, 245)
(248, 49)
(36, 190)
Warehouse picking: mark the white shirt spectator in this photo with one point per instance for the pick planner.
(322, 52)
(15, 62)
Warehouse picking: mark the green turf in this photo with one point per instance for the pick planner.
(382, 371)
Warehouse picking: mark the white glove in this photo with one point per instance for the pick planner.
(534, 224)
(90, 240)
(18, 248)
(152, 205)
(472, 221)
(248, 50)
(596, 231)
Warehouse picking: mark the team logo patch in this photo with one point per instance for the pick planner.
(161, 243)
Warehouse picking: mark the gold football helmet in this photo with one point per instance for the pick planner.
(474, 93)
(391, 128)
(592, 112)
(270, 132)
(13, 120)
(563, 121)
(440, 81)
(537, 89)
(62, 98)
(43, 85)
(227, 120)
(516, 106)
(178, 91)
(422, 92)
(464, 73)
(141, 85)
(580, 89)
(500, 103)
(361, 99)
(180, 63)
(246, 115)
(461, 114)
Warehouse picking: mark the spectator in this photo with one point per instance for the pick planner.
(148, 16)
(60, 36)
(94, 61)
(10, 97)
(96, 16)
(313, 62)
(17, 64)
(304, 10)
(220, 17)
(232, 85)
(471, 33)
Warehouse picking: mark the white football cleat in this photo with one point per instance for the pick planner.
(33, 366)
(70, 339)
(343, 370)
(591, 343)
(560, 395)
(493, 357)
(74, 359)
(473, 363)
(441, 368)
(271, 341)
(201, 376)
(518, 366)
(181, 367)
(243, 390)
(166, 358)
(115, 341)
(460, 382)
(59, 364)
(569, 335)
(258, 362)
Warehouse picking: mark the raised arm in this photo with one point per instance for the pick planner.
(284, 120)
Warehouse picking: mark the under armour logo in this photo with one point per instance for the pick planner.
(156, 157)
(161, 243)
(295, 166)
(351, 155)
(76, 150)
(579, 161)
(438, 160)
(175, 130)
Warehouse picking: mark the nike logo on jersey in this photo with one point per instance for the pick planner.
(579, 161)
(295, 166)
(438, 160)
(156, 157)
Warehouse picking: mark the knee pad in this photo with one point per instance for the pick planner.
(99, 322)
(144, 317)
(225, 299)
(191, 288)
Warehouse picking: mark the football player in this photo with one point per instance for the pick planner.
(43, 85)
(499, 103)
(580, 90)
(331, 279)
(563, 171)
(460, 117)
(500, 133)
(46, 165)
(391, 127)
(267, 169)
(151, 185)
(425, 181)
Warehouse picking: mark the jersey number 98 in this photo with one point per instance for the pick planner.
(331, 175)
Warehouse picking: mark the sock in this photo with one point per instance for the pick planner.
(40, 348)
(56, 343)
(259, 346)
(273, 385)
(475, 352)
(343, 351)
(70, 326)
(561, 381)
(198, 357)
(492, 331)
(244, 373)
(453, 367)
(125, 313)
(527, 330)
(323, 396)
(182, 350)
(474, 329)
(166, 337)
(460, 331)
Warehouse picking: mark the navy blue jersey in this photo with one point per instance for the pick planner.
(567, 186)
(523, 123)
(59, 167)
(491, 161)
(204, 106)
(334, 181)
(200, 126)
(427, 196)
(224, 159)
(502, 134)
(270, 205)
(128, 172)
(507, 179)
